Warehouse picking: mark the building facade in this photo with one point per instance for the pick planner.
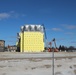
(2, 45)
(31, 38)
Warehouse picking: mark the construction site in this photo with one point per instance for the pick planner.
(29, 56)
(33, 38)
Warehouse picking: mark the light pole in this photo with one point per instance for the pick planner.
(53, 57)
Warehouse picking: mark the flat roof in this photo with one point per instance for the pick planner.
(2, 40)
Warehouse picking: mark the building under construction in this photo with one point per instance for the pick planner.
(31, 38)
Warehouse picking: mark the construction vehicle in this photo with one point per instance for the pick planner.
(51, 49)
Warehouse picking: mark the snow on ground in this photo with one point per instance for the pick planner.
(35, 66)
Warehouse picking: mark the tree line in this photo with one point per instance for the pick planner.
(64, 48)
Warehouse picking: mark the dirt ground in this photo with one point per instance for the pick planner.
(37, 63)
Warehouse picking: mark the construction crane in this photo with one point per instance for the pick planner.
(45, 37)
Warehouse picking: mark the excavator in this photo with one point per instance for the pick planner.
(51, 49)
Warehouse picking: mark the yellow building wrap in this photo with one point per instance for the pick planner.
(21, 41)
(31, 41)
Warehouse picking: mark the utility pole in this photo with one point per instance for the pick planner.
(53, 56)
(52, 61)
